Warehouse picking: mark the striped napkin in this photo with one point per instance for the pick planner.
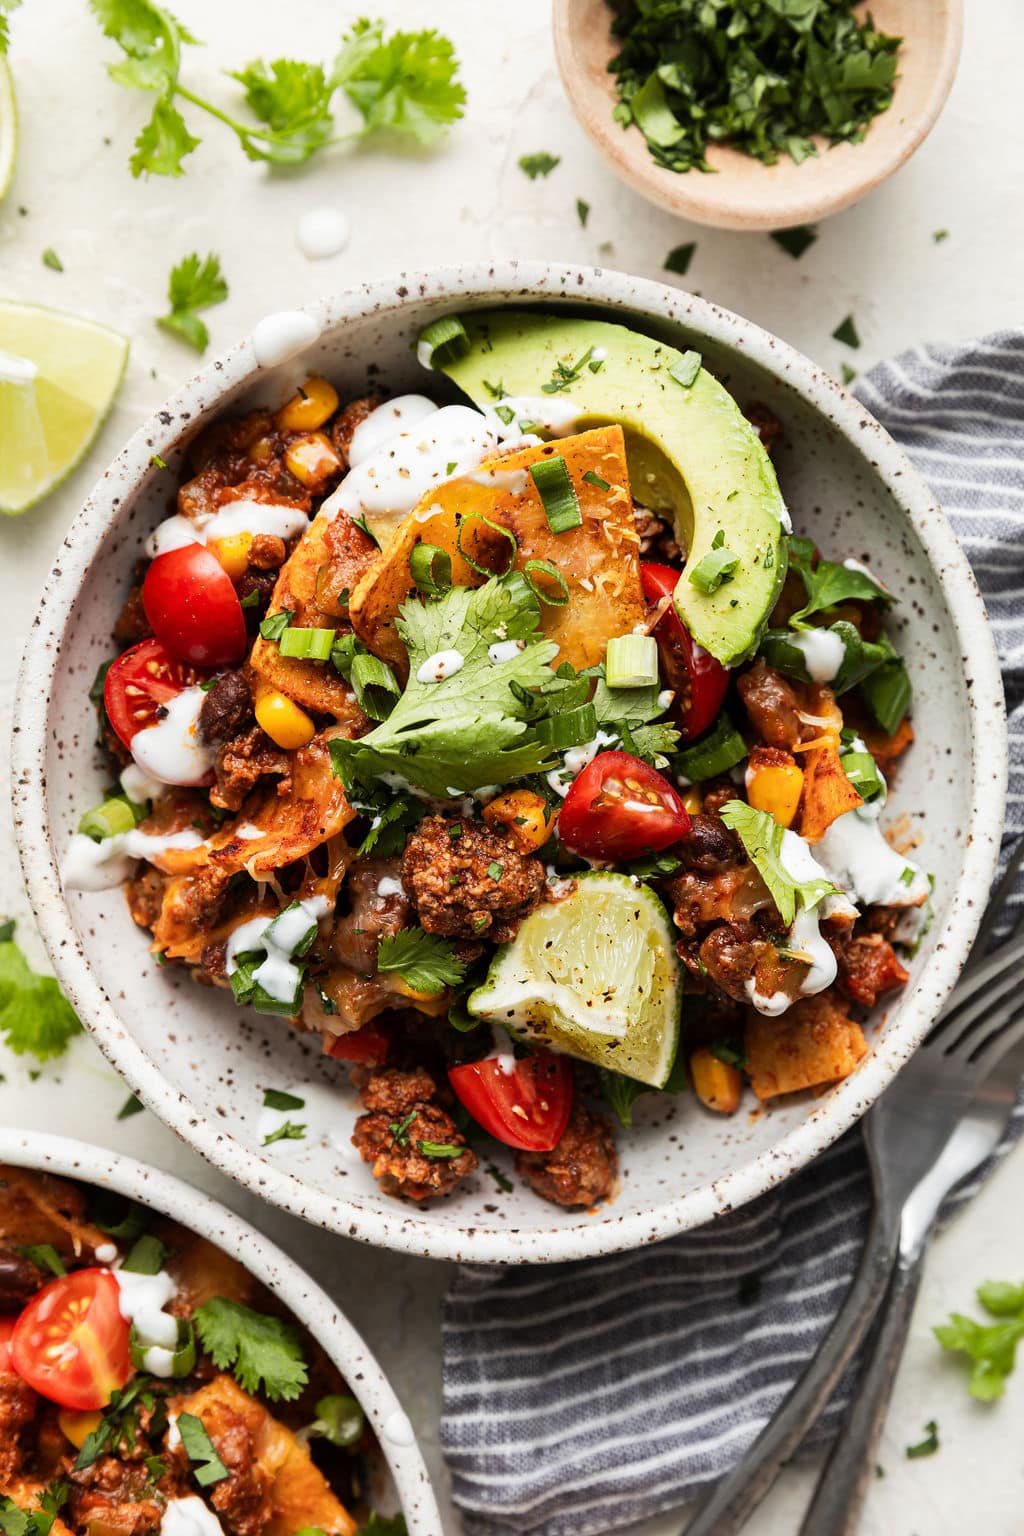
(582, 1397)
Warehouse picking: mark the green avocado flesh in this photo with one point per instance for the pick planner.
(692, 453)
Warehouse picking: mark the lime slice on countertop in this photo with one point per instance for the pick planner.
(594, 975)
(8, 127)
(58, 378)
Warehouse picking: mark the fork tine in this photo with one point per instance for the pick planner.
(957, 1031)
(1007, 1031)
(987, 972)
(997, 904)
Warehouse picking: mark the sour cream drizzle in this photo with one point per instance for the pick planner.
(278, 975)
(243, 516)
(823, 653)
(91, 866)
(171, 750)
(859, 859)
(189, 1517)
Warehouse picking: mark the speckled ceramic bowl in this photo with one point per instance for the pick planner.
(406, 1485)
(202, 1066)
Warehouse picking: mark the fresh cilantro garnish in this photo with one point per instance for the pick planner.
(990, 1347)
(193, 285)
(424, 960)
(276, 1098)
(44, 1256)
(264, 1353)
(765, 76)
(763, 839)
(6, 6)
(35, 1016)
(540, 164)
(15, 1521)
(566, 373)
(405, 84)
(289, 1131)
(828, 584)
(147, 1256)
(275, 624)
(400, 1129)
(928, 1446)
(391, 821)
(120, 1423)
(939, 235)
(440, 1149)
(846, 332)
(473, 727)
(52, 260)
(339, 1419)
(795, 241)
(207, 1467)
(582, 212)
(849, 374)
(679, 258)
(132, 1105)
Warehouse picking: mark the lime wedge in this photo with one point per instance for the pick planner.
(8, 127)
(594, 975)
(58, 379)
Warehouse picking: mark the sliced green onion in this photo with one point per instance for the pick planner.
(569, 729)
(557, 492)
(719, 749)
(862, 771)
(118, 814)
(183, 1357)
(339, 1419)
(442, 342)
(553, 574)
(631, 661)
(686, 370)
(307, 644)
(431, 569)
(506, 533)
(375, 686)
(717, 566)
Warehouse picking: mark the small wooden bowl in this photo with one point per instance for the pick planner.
(744, 194)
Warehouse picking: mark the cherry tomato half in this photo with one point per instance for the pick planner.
(140, 682)
(193, 608)
(71, 1342)
(523, 1103)
(369, 1044)
(620, 808)
(698, 680)
(6, 1329)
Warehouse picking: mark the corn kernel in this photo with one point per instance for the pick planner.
(262, 450)
(233, 553)
(310, 407)
(717, 1084)
(77, 1427)
(776, 788)
(284, 722)
(693, 801)
(312, 459)
(524, 815)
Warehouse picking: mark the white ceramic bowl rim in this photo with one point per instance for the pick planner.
(605, 1232)
(172, 1197)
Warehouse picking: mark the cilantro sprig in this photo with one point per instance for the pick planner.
(263, 1352)
(990, 1347)
(424, 960)
(194, 284)
(6, 6)
(15, 1521)
(763, 839)
(35, 1016)
(405, 84)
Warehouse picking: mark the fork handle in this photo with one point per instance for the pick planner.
(842, 1487)
(735, 1499)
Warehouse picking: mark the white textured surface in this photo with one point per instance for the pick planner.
(117, 239)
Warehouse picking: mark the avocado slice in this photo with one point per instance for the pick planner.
(691, 452)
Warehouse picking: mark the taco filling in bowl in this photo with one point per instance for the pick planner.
(149, 1383)
(506, 744)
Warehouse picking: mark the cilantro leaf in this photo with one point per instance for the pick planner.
(992, 1347)
(262, 1352)
(796, 240)
(406, 83)
(35, 1016)
(207, 1467)
(294, 100)
(193, 285)
(928, 1446)
(621, 1093)
(679, 258)
(6, 6)
(540, 164)
(764, 839)
(827, 584)
(163, 143)
(471, 728)
(424, 960)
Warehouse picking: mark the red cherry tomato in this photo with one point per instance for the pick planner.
(71, 1343)
(620, 808)
(369, 1044)
(699, 681)
(526, 1106)
(140, 682)
(6, 1329)
(193, 608)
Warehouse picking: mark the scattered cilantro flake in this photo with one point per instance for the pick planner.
(193, 285)
(52, 260)
(276, 1098)
(566, 373)
(157, 462)
(425, 961)
(494, 870)
(132, 1105)
(289, 1131)
(849, 374)
(686, 370)
(582, 212)
(928, 1446)
(795, 241)
(846, 332)
(275, 624)
(679, 258)
(939, 235)
(540, 164)
(35, 1016)
(499, 1178)
(400, 1129)
(207, 1467)
(264, 1353)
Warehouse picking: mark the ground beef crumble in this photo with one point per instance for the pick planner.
(403, 1114)
(467, 880)
(583, 1167)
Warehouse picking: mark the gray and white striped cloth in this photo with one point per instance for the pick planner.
(583, 1397)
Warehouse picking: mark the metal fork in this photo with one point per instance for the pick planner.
(920, 1146)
